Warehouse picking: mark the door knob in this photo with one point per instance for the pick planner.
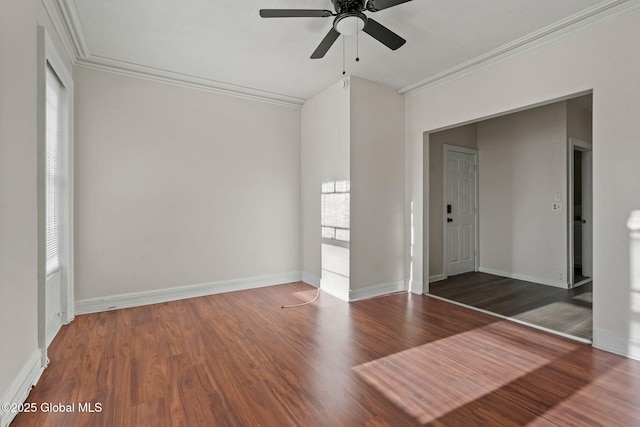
(449, 220)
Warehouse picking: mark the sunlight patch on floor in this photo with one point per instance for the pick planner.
(434, 379)
(561, 316)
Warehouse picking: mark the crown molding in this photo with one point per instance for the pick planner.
(66, 22)
(51, 6)
(135, 70)
(585, 19)
(74, 28)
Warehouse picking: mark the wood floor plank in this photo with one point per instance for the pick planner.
(239, 359)
(564, 310)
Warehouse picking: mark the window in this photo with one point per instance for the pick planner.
(55, 135)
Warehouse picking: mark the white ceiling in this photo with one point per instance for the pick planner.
(226, 45)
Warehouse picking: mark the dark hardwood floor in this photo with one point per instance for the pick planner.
(238, 359)
(565, 310)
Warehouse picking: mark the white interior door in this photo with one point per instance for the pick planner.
(460, 212)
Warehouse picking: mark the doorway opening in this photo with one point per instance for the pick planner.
(580, 212)
(533, 259)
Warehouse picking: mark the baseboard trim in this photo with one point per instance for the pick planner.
(436, 278)
(377, 290)
(311, 279)
(524, 277)
(614, 343)
(335, 291)
(136, 299)
(415, 286)
(513, 319)
(19, 390)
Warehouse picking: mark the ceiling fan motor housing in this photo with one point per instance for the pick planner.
(345, 6)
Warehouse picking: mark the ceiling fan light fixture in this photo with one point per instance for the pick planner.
(349, 24)
(349, 19)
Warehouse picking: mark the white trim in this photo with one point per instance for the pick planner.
(188, 81)
(457, 149)
(529, 106)
(416, 287)
(376, 290)
(41, 202)
(48, 54)
(513, 319)
(19, 389)
(587, 206)
(56, 19)
(526, 278)
(53, 301)
(65, 20)
(585, 147)
(335, 291)
(577, 22)
(71, 20)
(436, 278)
(67, 259)
(446, 149)
(311, 279)
(614, 343)
(137, 299)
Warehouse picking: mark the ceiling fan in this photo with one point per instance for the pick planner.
(349, 19)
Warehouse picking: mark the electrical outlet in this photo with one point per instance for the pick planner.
(556, 206)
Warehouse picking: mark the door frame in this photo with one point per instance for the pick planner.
(587, 149)
(446, 149)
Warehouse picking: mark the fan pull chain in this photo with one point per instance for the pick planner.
(357, 43)
(343, 67)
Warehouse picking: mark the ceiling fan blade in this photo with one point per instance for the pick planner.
(376, 5)
(325, 44)
(295, 13)
(383, 34)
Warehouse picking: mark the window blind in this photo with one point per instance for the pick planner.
(54, 136)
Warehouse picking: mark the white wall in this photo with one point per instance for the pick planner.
(18, 209)
(325, 157)
(354, 131)
(601, 58)
(461, 136)
(178, 186)
(19, 22)
(579, 122)
(377, 188)
(522, 161)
